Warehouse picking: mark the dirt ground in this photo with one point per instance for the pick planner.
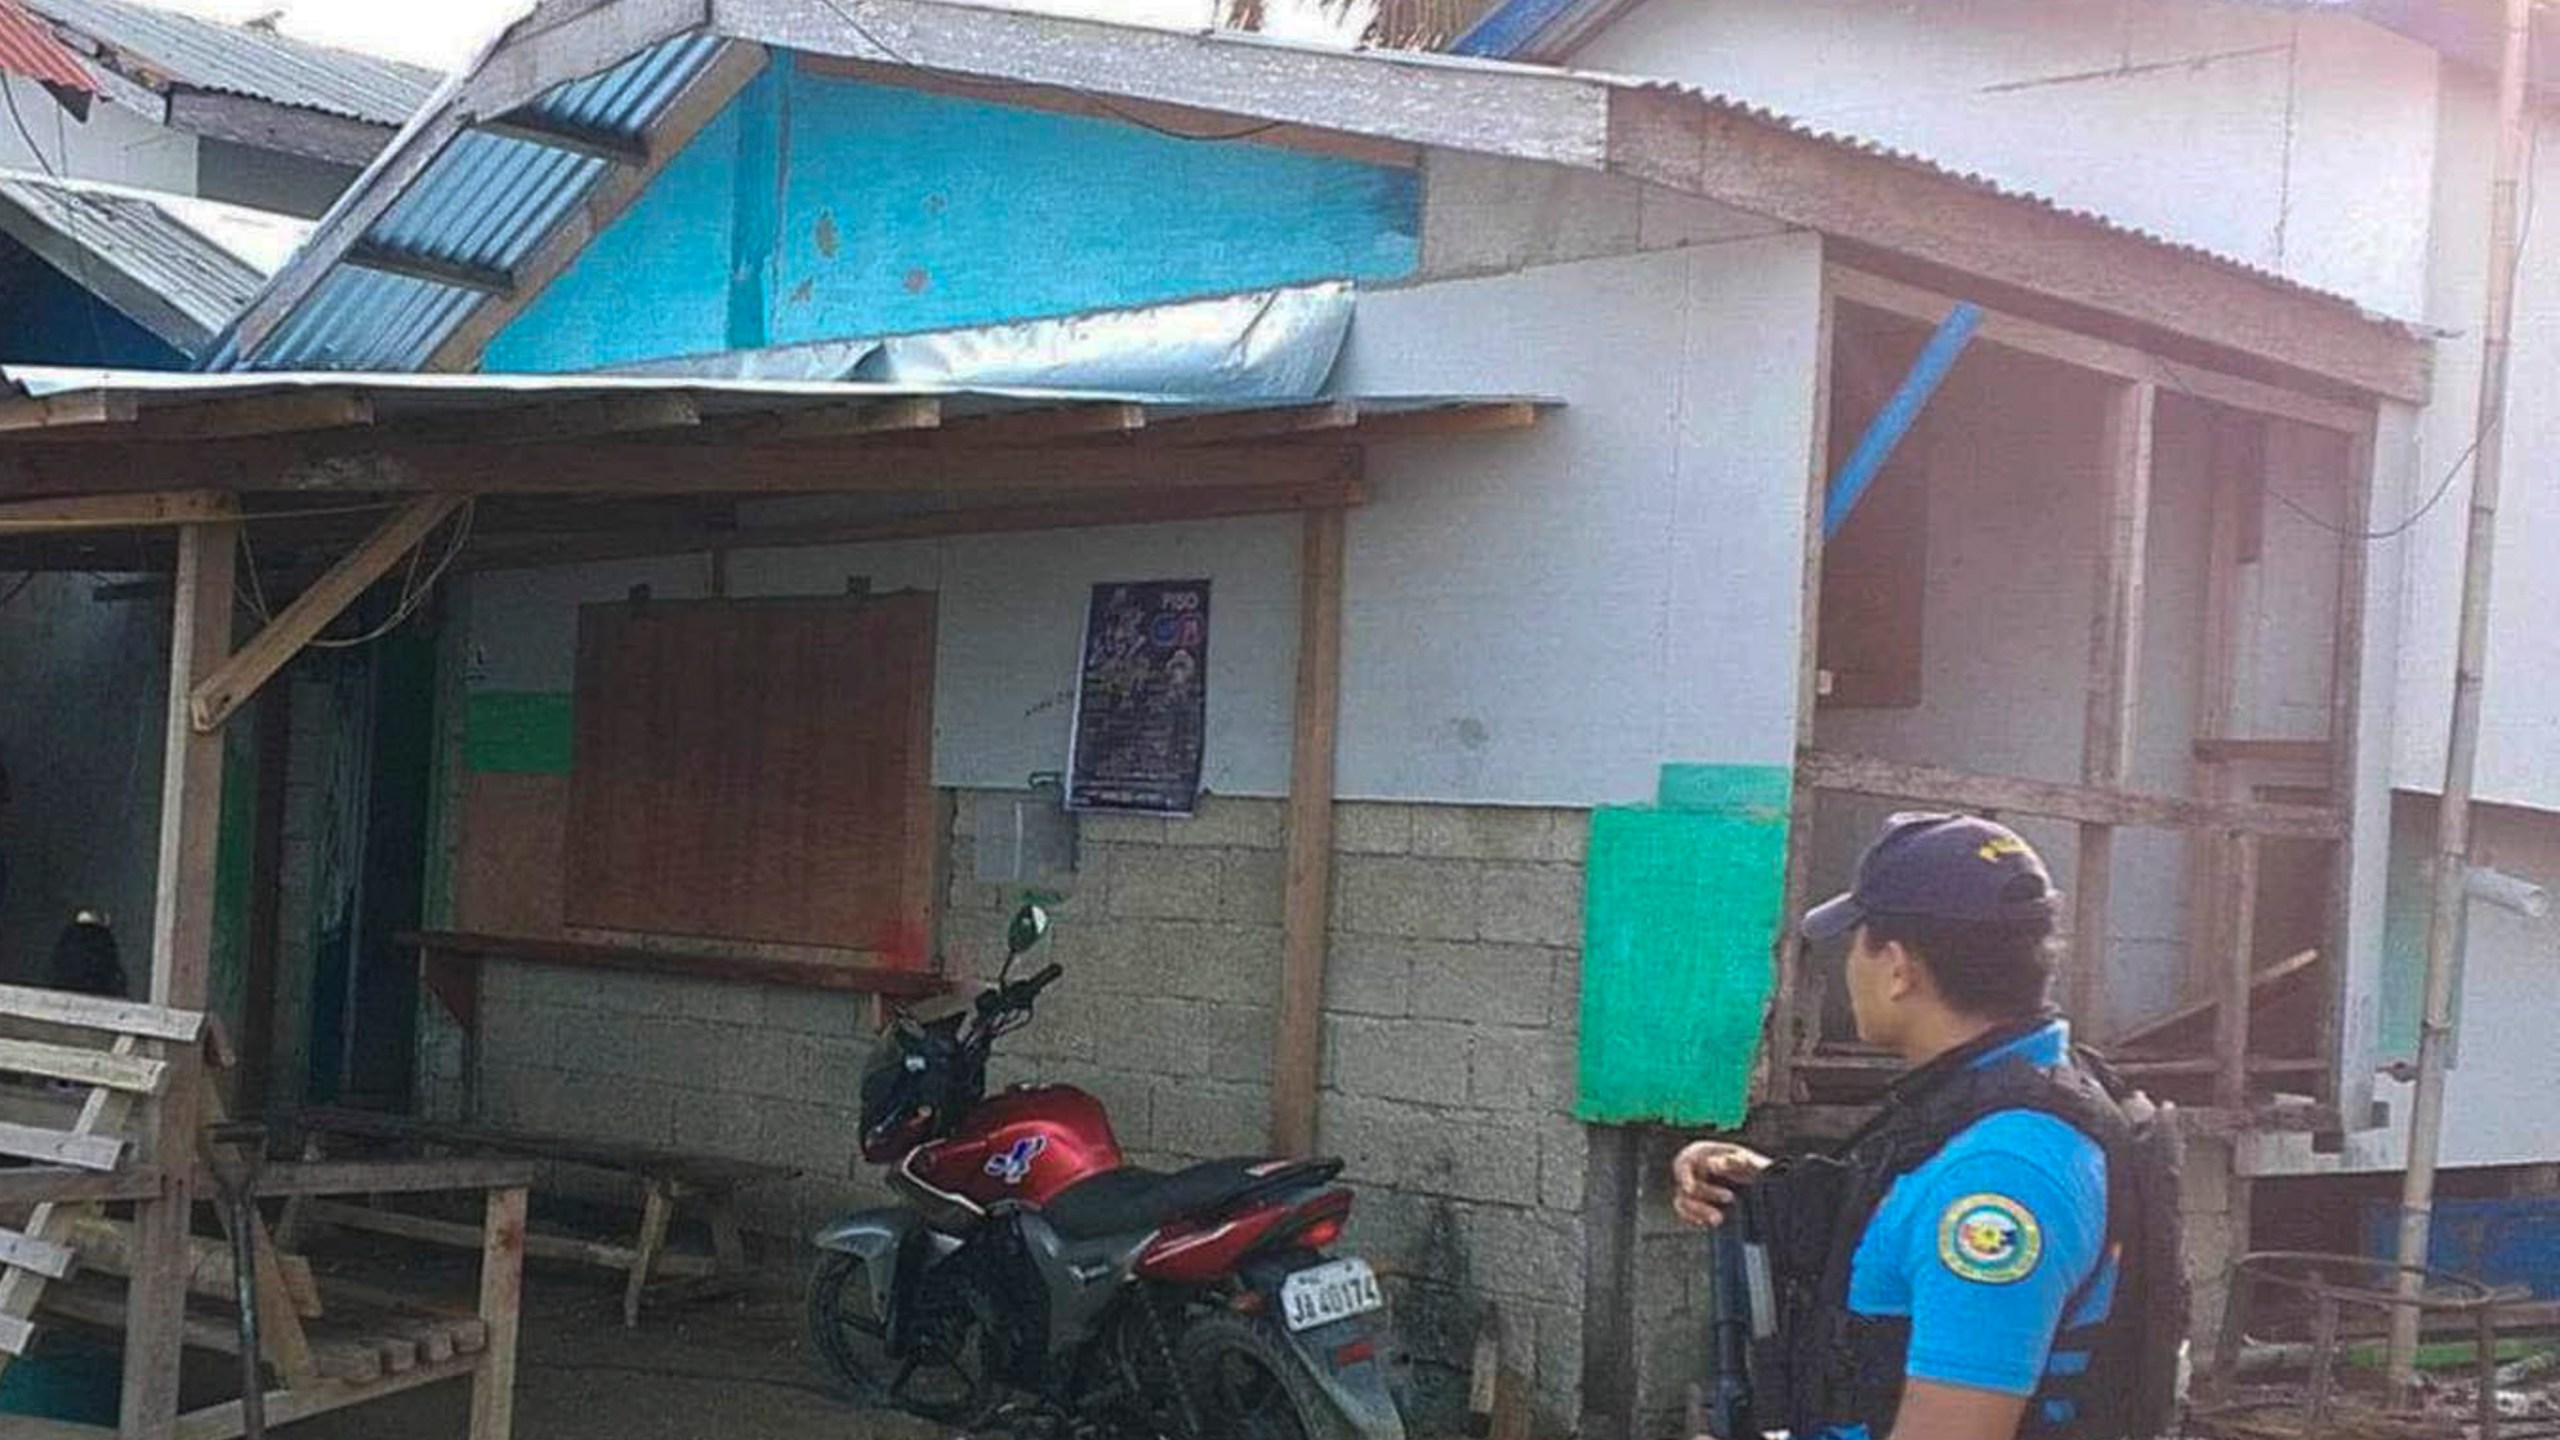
(735, 1368)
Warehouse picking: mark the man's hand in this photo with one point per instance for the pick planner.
(1704, 1176)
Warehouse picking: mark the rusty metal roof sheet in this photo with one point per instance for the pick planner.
(248, 60)
(28, 48)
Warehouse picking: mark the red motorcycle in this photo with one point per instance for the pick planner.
(1036, 1280)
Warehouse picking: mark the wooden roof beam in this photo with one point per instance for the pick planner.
(1041, 426)
(581, 419)
(830, 422)
(1230, 427)
(113, 512)
(433, 269)
(78, 407)
(606, 145)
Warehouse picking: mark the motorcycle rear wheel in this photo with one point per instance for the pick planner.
(946, 1382)
(1248, 1385)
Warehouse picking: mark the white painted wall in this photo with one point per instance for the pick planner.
(113, 145)
(1540, 618)
(2298, 143)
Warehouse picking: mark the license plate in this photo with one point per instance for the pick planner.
(1330, 1292)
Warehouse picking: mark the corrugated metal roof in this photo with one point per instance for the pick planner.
(28, 48)
(180, 266)
(489, 201)
(242, 60)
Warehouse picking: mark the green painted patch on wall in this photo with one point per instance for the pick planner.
(1681, 922)
(509, 732)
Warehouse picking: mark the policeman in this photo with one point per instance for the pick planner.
(1955, 1272)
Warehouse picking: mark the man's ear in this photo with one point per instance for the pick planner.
(1903, 977)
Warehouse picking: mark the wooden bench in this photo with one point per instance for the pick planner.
(79, 1078)
(668, 1179)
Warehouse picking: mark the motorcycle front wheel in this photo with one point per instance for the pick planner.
(944, 1381)
(1248, 1384)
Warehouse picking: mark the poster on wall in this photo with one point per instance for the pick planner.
(1142, 698)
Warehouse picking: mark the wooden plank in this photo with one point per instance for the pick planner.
(493, 1385)
(1786, 998)
(2115, 678)
(181, 971)
(106, 1247)
(1098, 512)
(2349, 1084)
(639, 468)
(695, 1173)
(2225, 751)
(2160, 1028)
(433, 269)
(657, 1212)
(1307, 887)
(76, 407)
(44, 1257)
(701, 103)
(284, 1407)
(93, 1012)
(567, 1250)
(293, 412)
(534, 129)
(112, 512)
(16, 1336)
(2091, 805)
(1439, 421)
(392, 1177)
(2231, 1027)
(1260, 424)
(1082, 420)
(232, 683)
(587, 418)
(30, 1427)
(105, 1111)
(58, 1185)
(836, 421)
(2103, 357)
(1764, 166)
(56, 1147)
(87, 1067)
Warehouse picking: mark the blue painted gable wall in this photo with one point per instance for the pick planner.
(823, 208)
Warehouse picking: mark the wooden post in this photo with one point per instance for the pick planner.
(2231, 1028)
(2115, 668)
(1786, 999)
(2346, 731)
(181, 952)
(1308, 901)
(2208, 854)
(493, 1384)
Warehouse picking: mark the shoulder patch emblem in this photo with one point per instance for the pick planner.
(1990, 1239)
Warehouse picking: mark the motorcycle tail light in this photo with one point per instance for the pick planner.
(1323, 1234)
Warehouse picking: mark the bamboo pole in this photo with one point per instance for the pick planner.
(2453, 816)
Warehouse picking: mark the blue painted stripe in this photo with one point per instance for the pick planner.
(1510, 28)
(1899, 414)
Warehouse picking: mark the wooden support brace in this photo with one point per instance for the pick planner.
(82, 407)
(1308, 884)
(230, 685)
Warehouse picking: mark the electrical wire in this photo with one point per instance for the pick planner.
(2480, 434)
(414, 592)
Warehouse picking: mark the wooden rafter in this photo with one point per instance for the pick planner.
(579, 419)
(230, 685)
(433, 269)
(533, 129)
(47, 412)
(1229, 427)
(1043, 426)
(846, 421)
(701, 103)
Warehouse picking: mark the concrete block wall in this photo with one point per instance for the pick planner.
(1449, 1043)
(1449, 1035)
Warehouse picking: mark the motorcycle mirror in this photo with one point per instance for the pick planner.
(1030, 927)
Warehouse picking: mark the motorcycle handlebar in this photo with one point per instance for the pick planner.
(1019, 994)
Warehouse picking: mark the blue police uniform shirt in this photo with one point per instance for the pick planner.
(1985, 1245)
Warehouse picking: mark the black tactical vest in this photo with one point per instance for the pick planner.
(1830, 1367)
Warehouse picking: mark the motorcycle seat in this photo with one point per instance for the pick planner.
(1137, 1201)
